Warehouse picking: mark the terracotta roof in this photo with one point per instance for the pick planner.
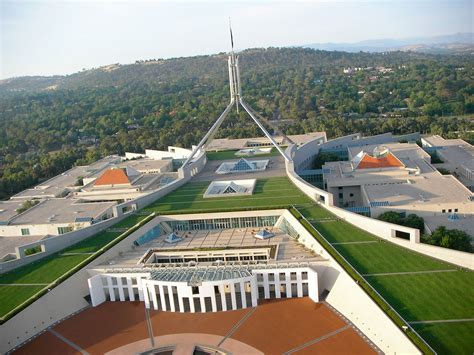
(112, 177)
(386, 161)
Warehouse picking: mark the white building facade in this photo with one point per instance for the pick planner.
(206, 289)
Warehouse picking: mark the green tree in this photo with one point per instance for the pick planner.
(451, 238)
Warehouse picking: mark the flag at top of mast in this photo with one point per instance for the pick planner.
(234, 75)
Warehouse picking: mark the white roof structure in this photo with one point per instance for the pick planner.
(173, 238)
(230, 187)
(264, 234)
(242, 166)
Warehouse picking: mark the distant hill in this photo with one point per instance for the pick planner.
(459, 43)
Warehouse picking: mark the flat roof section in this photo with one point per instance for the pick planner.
(61, 210)
(8, 210)
(57, 185)
(146, 164)
(242, 143)
(462, 155)
(438, 141)
(433, 188)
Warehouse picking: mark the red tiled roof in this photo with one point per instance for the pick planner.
(386, 161)
(112, 177)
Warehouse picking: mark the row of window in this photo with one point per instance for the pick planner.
(61, 230)
(223, 223)
(282, 276)
(449, 210)
(167, 260)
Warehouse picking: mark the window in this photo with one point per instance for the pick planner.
(25, 231)
(450, 210)
(195, 290)
(341, 195)
(62, 230)
(443, 211)
(351, 195)
(455, 210)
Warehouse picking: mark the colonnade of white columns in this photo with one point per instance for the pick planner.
(207, 296)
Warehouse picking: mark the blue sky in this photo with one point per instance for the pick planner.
(43, 37)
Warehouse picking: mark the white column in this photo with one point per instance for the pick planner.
(254, 286)
(146, 295)
(140, 288)
(152, 292)
(288, 284)
(313, 289)
(96, 289)
(203, 304)
(299, 285)
(213, 300)
(180, 302)
(223, 300)
(277, 285)
(120, 289)
(162, 297)
(232, 296)
(171, 298)
(242, 294)
(191, 304)
(111, 289)
(131, 294)
(266, 289)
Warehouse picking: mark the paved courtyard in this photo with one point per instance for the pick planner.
(296, 325)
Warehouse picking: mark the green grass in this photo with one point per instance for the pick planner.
(129, 221)
(276, 192)
(315, 212)
(449, 338)
(340, 232)
(12, 296)
(446, 295)
(93, 244)
(42, 271)
(381, 257)
(230, 154)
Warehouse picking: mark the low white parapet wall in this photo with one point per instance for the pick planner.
(351, 300)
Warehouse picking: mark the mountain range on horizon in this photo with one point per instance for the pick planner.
(458, 43)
